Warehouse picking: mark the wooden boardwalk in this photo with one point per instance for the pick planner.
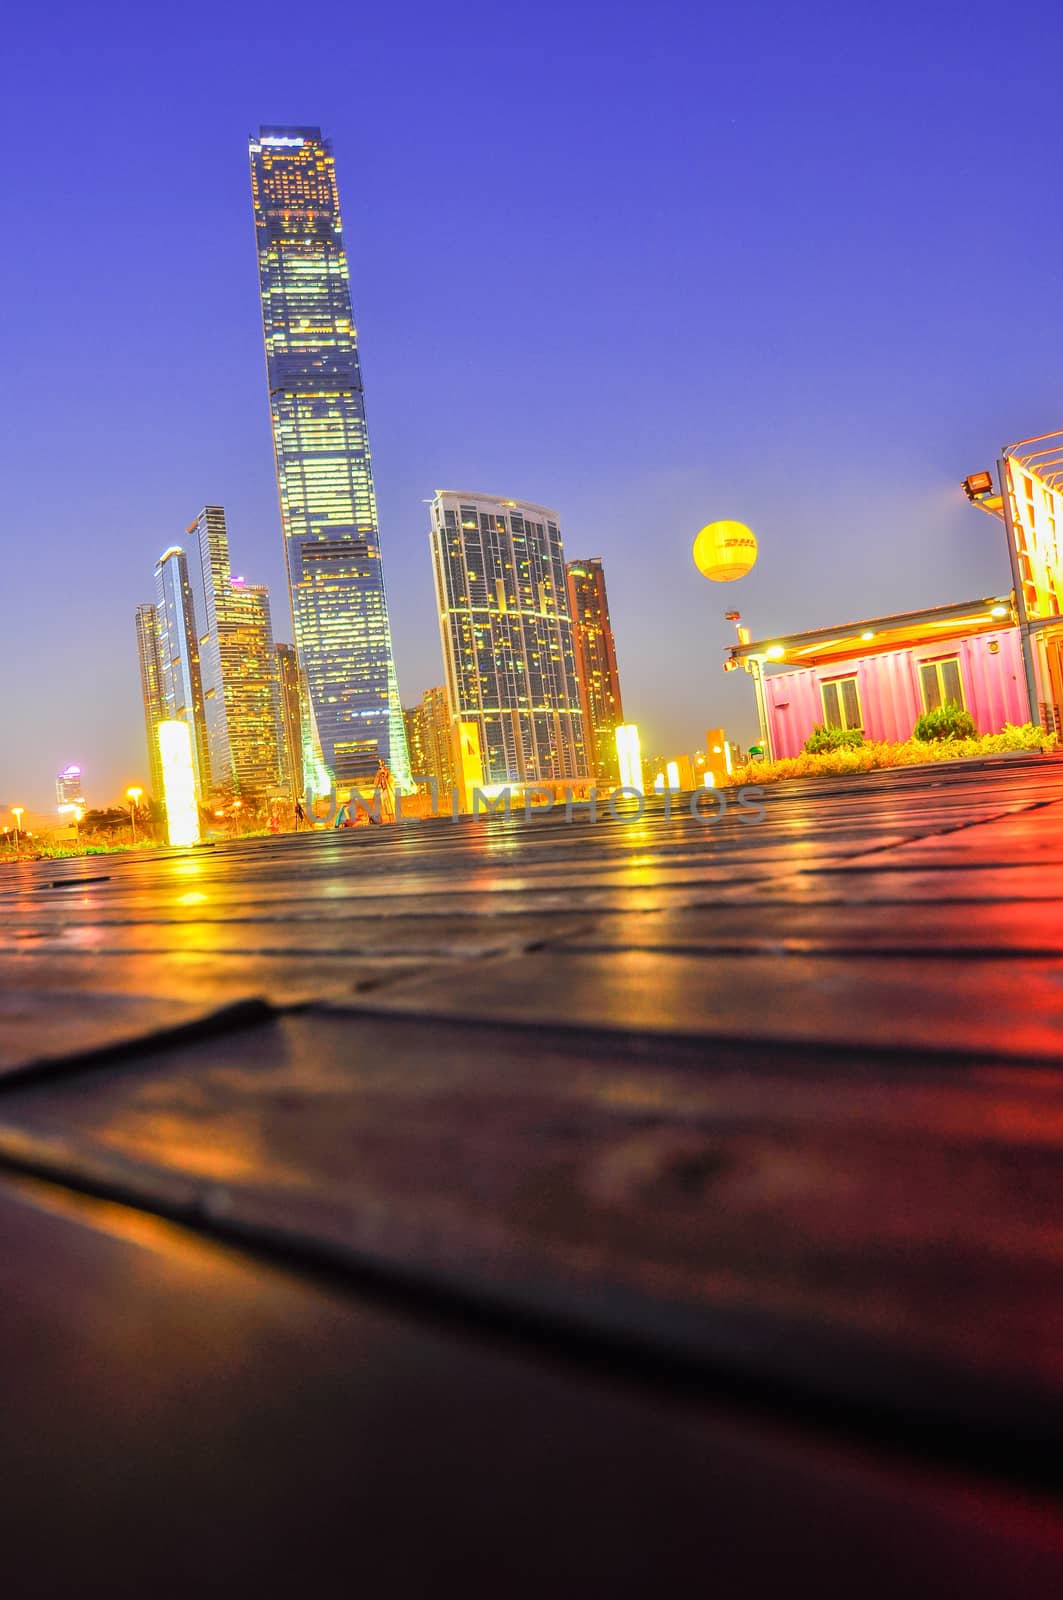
(534, 1207)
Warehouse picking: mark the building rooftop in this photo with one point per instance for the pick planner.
(878, 635)
(499, 500)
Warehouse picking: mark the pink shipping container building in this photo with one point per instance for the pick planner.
(882, 674)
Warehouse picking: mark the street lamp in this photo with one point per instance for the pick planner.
(133, 795)
(18, 812)
(754, 665)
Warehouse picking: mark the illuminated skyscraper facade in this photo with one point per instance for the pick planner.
(430, 738)
(69, 787)
(596, 668)
(238, 666)
(180, 683)
(291, 685)
(508, 650)
(151, 690)
(324, 471)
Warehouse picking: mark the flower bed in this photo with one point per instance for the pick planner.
(871, 757)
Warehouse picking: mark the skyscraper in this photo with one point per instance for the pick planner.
(430, 738)
(180, 683)
(291, 692)
(599, 680)
(507, 635)
(69, 788)
(238, 667)
(324, 472)
(151, 689)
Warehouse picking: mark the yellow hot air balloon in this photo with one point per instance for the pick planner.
(724, 551)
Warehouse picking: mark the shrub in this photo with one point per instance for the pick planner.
(949, 721)
(823, 738)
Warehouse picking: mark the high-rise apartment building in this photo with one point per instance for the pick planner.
(151, 690)
(291, 686)
(430, 738)
(508, 650)
(180, 683)
(324, 471)
(238, 667)
(599, 680)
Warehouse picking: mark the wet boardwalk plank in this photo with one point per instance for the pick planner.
(692, 1138)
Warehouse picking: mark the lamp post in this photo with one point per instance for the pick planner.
(755, 668)
(18, 812)
(996, 498)
(754, 665)
(133, 795)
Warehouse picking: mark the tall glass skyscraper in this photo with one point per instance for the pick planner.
(507, 638)
(291, 690)
(180, 682)
(151, 690)
(324, 472)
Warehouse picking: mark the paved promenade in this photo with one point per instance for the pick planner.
(516, 1208)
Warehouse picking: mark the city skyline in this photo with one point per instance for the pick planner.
(792, 298)
(207, 657)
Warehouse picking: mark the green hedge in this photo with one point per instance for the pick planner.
(949, 721)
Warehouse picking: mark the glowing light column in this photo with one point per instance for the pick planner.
(629, 757)
(179, 782)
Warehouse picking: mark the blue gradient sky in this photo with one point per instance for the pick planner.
(651, 265)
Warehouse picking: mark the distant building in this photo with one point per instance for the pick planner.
(181, 686)
(292, 690)
(430, 738)
(151, 689)
(719, 756)
(508, 649)
(599, 679)
(68, 787)
(238, 666)
(324, 472)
